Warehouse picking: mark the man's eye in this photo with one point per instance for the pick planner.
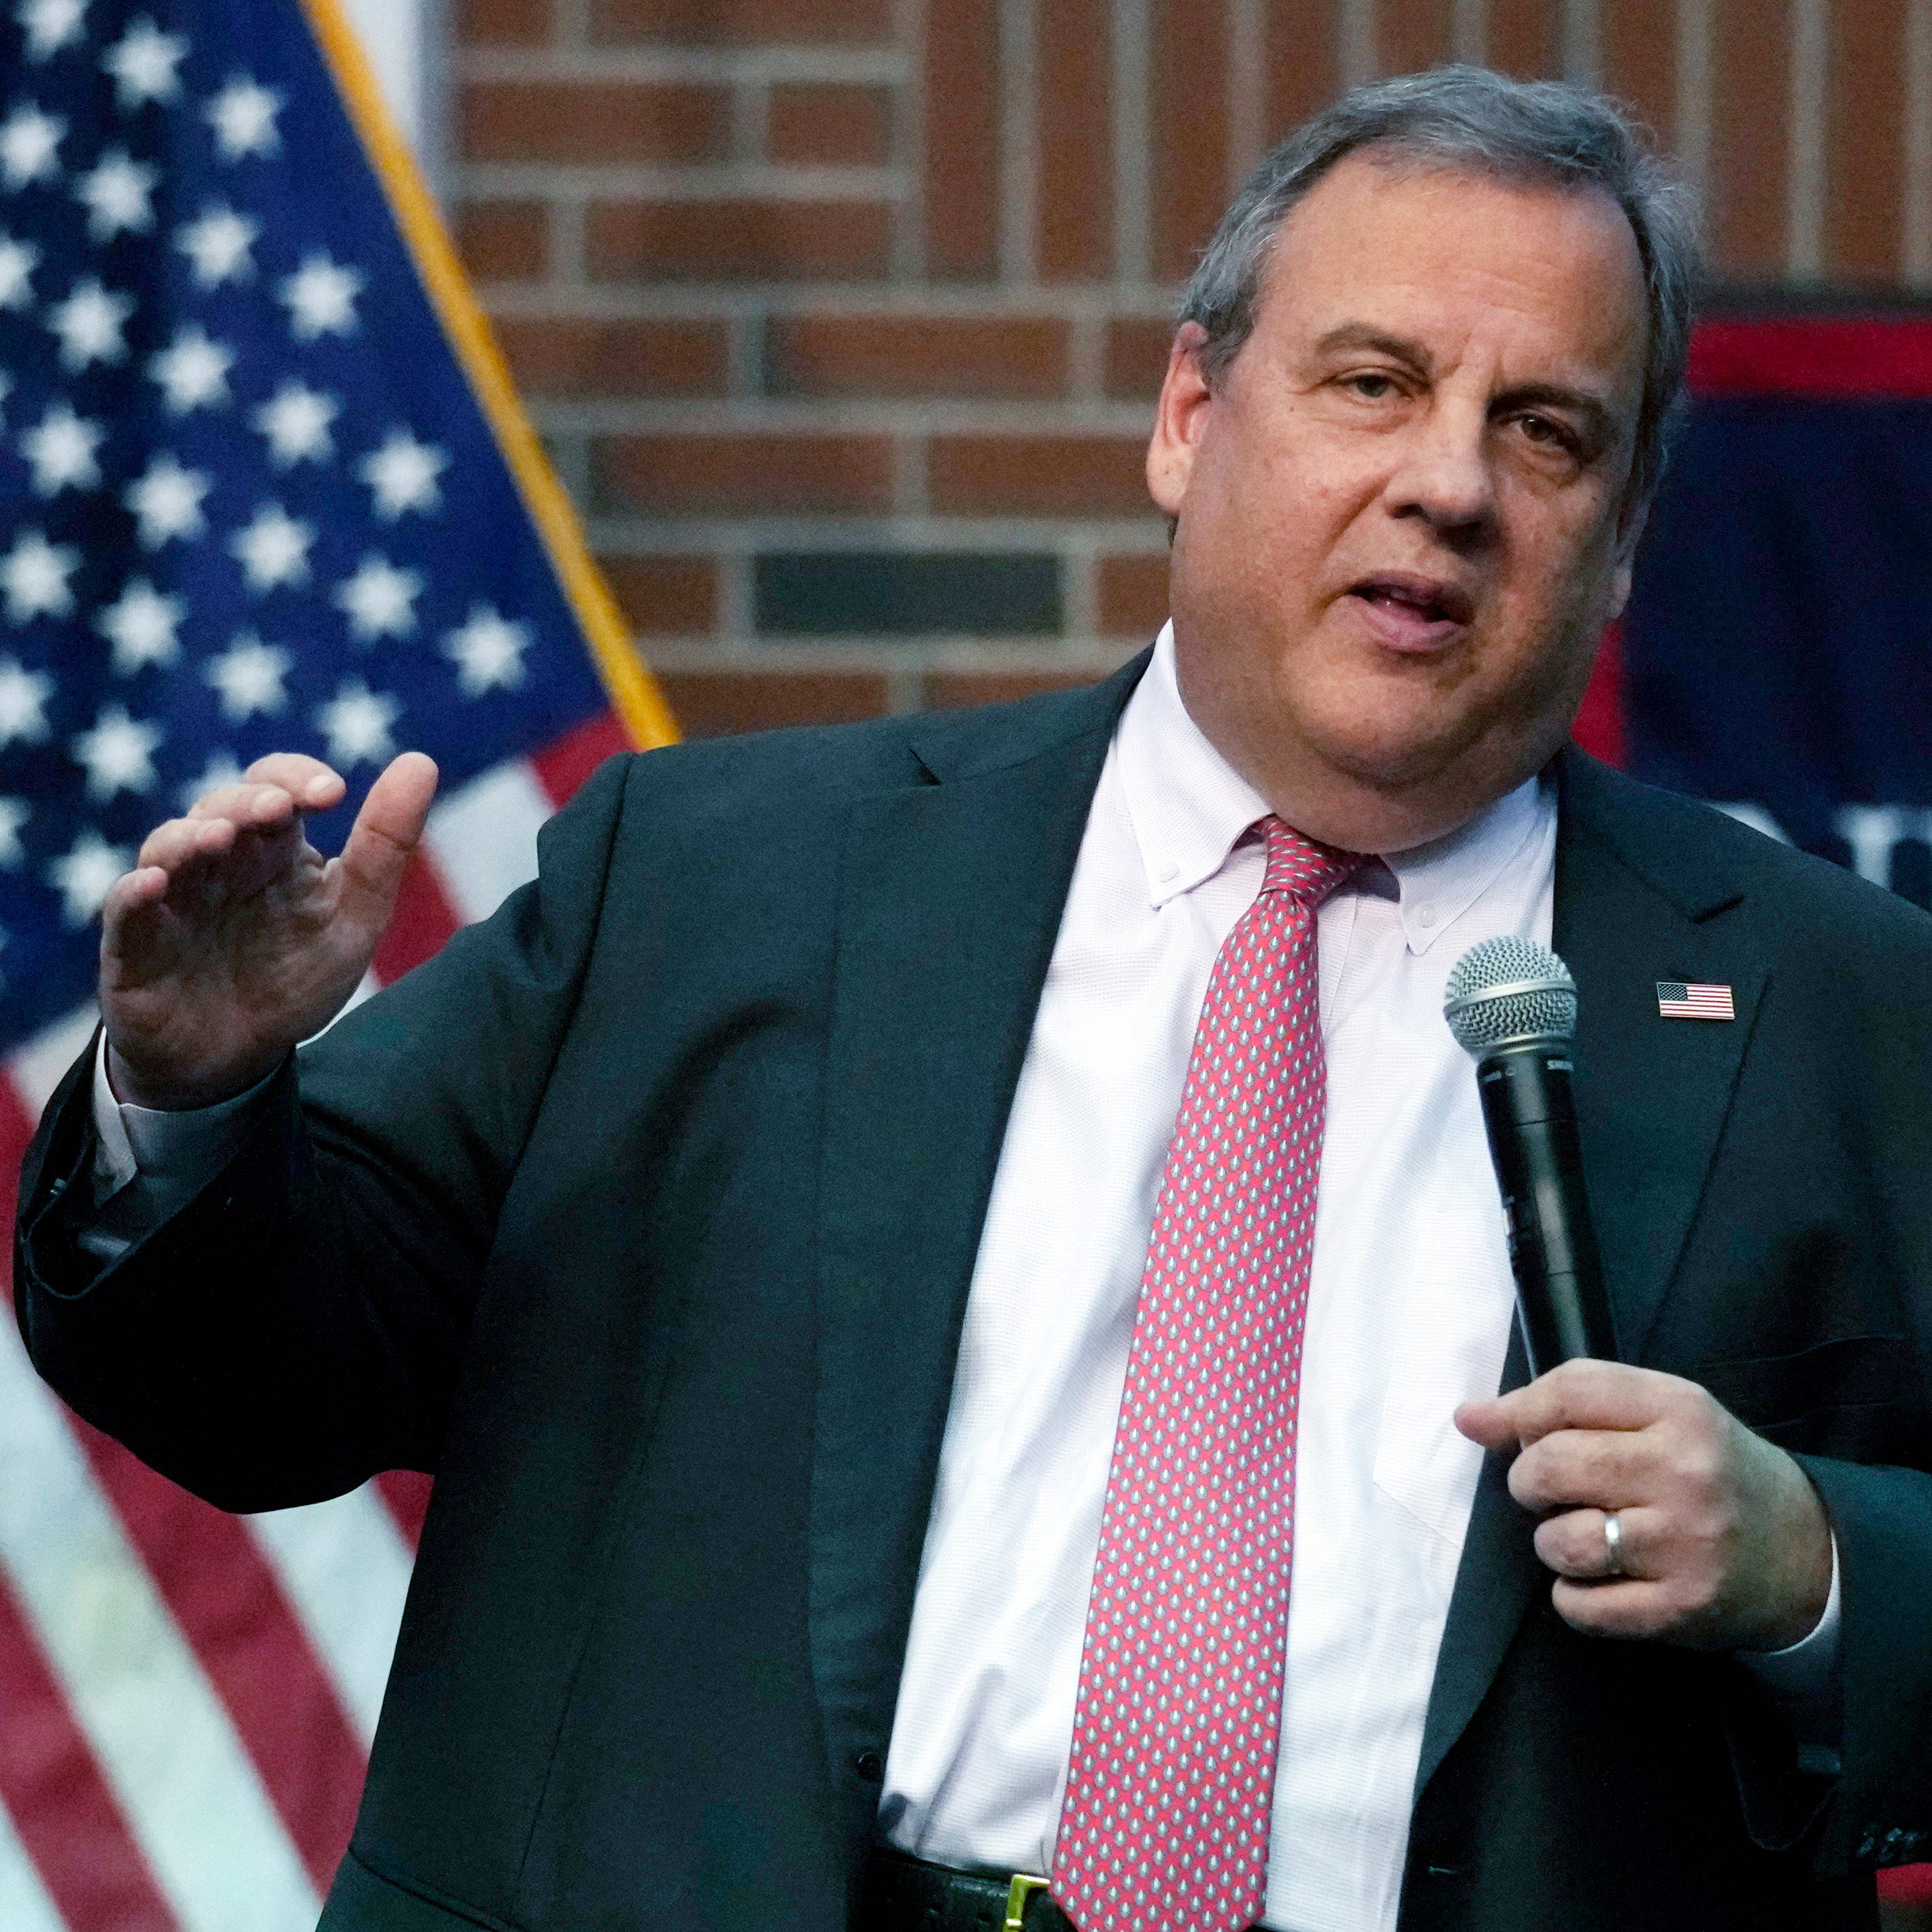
(1372, 385)
(1542, 430)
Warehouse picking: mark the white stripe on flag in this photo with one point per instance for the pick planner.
(39, 1066)
(160, 1734)
(484, 838)
(346, 1570)
(25, 1905)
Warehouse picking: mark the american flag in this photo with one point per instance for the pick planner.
(1677, 1000)
(262, 485)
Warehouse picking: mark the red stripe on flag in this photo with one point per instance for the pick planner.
(1599, 727)
(424, 918)
(1821, 357)
(66, 1816)
(16, 1130)
(231, 1609)
(565, 763)
(405, 1492)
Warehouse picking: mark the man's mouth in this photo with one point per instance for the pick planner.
(1408, 613)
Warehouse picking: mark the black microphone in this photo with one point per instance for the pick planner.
(1513, 1003)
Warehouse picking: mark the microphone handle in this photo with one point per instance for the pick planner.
(1531, 1116)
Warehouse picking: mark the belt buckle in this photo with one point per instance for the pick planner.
(1024, 1886)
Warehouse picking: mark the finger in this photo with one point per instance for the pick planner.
(1602, 1468)
(387, 831)
(314, 785)
(248, 803)
(134, 920)
(1488, 1422)
(1592, 1395)
(1632, 1608)
(178, 841)
(1575, 1544)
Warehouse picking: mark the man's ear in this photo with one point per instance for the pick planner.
(1629, 533)
(1179, 420)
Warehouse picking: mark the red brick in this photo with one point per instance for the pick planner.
(915, 355)
(1750, 143)
(830, 126)
(739, 240)
(584, 120)
(741, 22)
(497, 23)
(571, 355)
(1137, 354)
(1524, 40)
(948, 690)
(745, 475)
(1075, 203)
(961, 163)
(1411, 34)
(720, 703)
(1864, 209)
(1132, 596)
(1191, 184)
(1639, 38)
(664, 596)
(1301, 70)
(1039, 475)
(503, 241)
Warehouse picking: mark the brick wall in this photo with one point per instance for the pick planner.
(842, 317)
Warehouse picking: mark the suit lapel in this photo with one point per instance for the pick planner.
(1635, 903)
(953, 896)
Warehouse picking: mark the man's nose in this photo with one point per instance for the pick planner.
(1444, 475)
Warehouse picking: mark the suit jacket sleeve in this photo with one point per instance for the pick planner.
(300, 1324)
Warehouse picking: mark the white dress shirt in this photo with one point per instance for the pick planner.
(1410, 1305)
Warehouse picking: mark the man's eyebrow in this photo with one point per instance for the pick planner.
(1364, 335)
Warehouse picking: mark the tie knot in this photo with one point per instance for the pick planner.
(1304, 868)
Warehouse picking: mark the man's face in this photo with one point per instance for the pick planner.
(1402, 515)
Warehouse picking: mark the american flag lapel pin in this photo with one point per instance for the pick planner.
(1676, 1000)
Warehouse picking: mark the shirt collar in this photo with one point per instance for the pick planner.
(1189, 808)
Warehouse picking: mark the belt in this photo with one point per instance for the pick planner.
(906, 1894)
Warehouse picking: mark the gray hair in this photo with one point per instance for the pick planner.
(1468, 118)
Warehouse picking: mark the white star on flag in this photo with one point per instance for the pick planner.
(402, 475)
(243, 116)
(192, 371)
(50, 25)
(18, 261)
(356, 723)
(221, 772)
(142, 624)
(13, 815)
(295, 421)
(166, 500)
(117, 193)
(380, 599)
(216, 243)
(34, 577)
(320, 297)
(249, 676)
(487, 651)
(29, 140)
(273, 549)
(118, 754)
(142, 63)
(60, 450)
(23, 702)
(86, 875)
(89, 323)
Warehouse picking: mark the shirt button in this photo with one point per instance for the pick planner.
(1168, 872)
(1425, 916)
(870, 1766)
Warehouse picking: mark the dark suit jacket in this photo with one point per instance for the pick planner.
(644, 1216)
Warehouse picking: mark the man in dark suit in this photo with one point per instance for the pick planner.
(684, 1217)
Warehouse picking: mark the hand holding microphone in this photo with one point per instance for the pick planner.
(1663, 1516)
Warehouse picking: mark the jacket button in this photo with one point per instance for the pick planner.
(870, 1765)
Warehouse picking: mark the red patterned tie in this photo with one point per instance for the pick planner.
(1165, 1827)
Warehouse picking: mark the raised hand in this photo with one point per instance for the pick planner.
(233, 939)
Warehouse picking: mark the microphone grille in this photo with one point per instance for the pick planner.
(1509, 988)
